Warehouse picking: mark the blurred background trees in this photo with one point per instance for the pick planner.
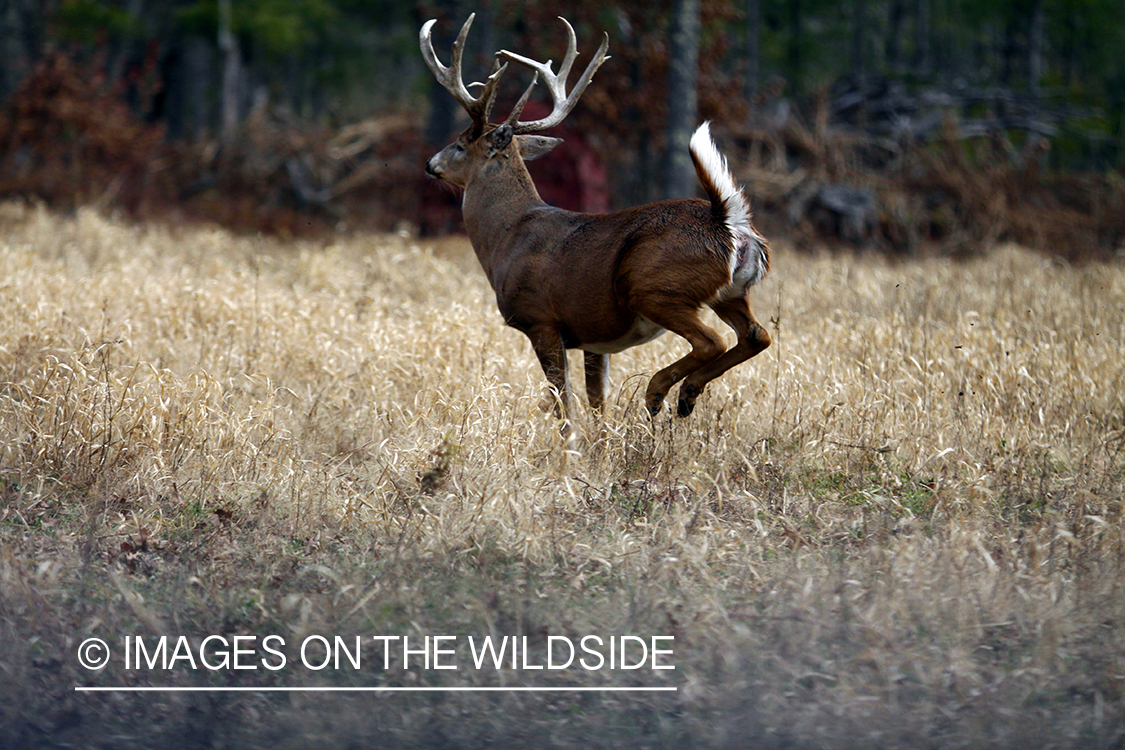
(892, 122)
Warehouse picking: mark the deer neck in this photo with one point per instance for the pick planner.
(495, 201)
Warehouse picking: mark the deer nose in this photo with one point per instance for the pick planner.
(431, 170)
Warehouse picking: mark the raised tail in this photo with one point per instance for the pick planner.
(750, 258)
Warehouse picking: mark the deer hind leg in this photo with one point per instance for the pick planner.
(597, 380)
(752, 340)
(706, 345)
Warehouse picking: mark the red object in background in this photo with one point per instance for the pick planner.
(572, 176)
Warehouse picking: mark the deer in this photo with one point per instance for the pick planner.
(601, 283)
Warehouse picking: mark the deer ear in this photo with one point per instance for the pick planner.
(499, 139)
(534, 146)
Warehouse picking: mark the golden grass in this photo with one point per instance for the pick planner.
(900, 524)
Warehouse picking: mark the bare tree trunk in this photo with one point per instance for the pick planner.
(894, 32)
(1070, 50)
(19, 41)
(12, 62)
(683, 73)
(199, 71)
(1035, 48)
(119, 49)
(638, 183)
(1009, 53)
(753, 47)
(232, 75)
(859, 39)
(796, 39)
(922, 37)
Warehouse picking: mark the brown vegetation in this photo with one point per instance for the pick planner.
(68, 138)
(902, 526)
(954, 193)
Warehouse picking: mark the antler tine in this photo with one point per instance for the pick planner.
(556, 84)
(479, 108)
(483, 106)
(450, 77)
(513, 118)
(571, 51)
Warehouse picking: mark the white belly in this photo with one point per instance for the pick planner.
(642, 332)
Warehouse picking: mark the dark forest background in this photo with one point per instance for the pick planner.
(905, 125)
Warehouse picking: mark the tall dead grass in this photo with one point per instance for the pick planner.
(901, 525)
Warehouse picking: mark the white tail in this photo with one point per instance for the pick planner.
(750, 260)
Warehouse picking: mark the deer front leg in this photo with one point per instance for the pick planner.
(597, 379)
(549, 349)
(752, 341)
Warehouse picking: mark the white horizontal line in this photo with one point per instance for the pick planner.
(149, 689)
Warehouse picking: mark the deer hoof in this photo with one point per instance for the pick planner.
(689, 392)
(655, 404)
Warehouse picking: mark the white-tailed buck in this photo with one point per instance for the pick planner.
(600, 282)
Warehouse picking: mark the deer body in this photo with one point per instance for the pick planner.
(602, 283)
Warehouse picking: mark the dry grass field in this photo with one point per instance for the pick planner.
(901, 526)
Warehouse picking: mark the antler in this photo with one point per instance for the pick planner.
(479, 108)
(563, 102)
